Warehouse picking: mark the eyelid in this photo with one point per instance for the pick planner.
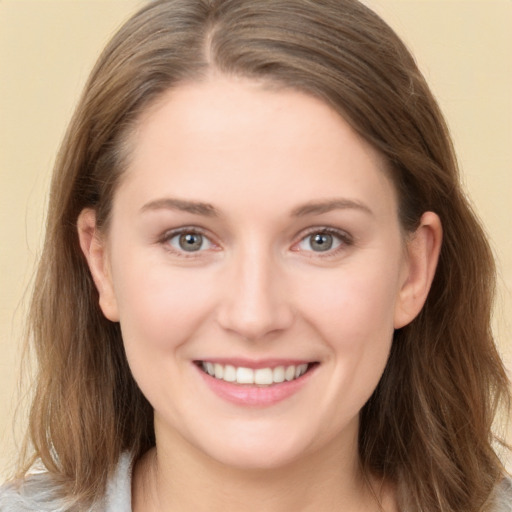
(171, 233)
(346, 240)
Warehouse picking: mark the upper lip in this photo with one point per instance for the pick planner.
(255, 363)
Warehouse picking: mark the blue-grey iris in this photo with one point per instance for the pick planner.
(321, 242)
(191, 241)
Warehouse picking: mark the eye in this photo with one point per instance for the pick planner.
(188, 241)
(323, 241)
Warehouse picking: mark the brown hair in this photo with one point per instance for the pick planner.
(427, 427)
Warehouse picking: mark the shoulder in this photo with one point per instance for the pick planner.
(40, 493)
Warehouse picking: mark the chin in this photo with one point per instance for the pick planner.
(247, 459)
(257, 450)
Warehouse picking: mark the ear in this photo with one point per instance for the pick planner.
(423, 250)
(93, 246)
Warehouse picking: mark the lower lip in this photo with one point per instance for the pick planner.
(252, 395)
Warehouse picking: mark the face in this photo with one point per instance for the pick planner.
(257, 268)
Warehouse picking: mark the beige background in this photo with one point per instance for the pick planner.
(47, 47)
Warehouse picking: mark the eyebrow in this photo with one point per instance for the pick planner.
(319, 207)
(208, 210)
(195, 207)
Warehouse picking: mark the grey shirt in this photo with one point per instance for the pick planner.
(38, 495)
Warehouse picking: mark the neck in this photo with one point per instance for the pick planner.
(177, 478)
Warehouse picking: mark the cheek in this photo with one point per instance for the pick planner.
(159, 306)
(160, 309)
(353, 311)
(352, 307)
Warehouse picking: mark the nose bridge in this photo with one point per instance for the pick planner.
(255, 303)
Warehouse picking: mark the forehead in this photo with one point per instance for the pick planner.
(256, 142)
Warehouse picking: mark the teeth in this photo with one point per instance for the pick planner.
(300, 370)
(289, 373)
(219, 371)
(264, 376)
(229, 373)
(261, 376)
(210, 368)
(244, 375)
(278, 374)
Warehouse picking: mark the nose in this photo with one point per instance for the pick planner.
(255, 302)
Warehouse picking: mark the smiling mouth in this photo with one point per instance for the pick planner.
(259, 377)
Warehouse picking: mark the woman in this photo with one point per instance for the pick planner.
(262, 287)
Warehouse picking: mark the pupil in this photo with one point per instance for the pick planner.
(191, 242)
(321, 242)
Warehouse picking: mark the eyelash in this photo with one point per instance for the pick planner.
(165, 240)
(344, 239)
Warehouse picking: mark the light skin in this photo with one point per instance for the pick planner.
(297, 255)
